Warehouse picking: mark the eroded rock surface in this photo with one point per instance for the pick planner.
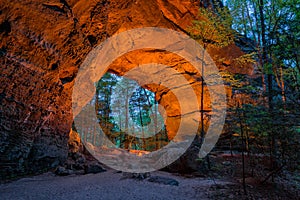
(42, 46)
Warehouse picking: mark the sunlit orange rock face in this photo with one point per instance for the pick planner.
(42, 46)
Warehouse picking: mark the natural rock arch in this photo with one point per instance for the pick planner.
(42, 46)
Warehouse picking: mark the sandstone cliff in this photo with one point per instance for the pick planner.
(42, 46)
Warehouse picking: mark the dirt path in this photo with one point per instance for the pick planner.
(107, 186)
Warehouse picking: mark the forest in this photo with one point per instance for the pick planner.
(254, 44)
(262, 124)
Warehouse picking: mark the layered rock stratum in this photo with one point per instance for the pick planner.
(42, 46)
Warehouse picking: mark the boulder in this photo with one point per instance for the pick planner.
(163, 180)
(189, 162)
(93, 168)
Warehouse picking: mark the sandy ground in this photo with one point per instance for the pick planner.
(107, 185)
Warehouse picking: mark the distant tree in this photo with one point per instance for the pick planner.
(274, 28)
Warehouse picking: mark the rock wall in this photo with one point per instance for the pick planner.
(42, 46)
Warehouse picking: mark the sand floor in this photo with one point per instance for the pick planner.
(108, 185)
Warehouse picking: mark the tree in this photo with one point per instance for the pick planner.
(125, 112)
(274, 27)
(211, 30)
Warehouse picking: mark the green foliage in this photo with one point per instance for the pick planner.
(140, 104)
(245, 59)
(272, 120)
(212, 29)
(123, 107)
(231, 79)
